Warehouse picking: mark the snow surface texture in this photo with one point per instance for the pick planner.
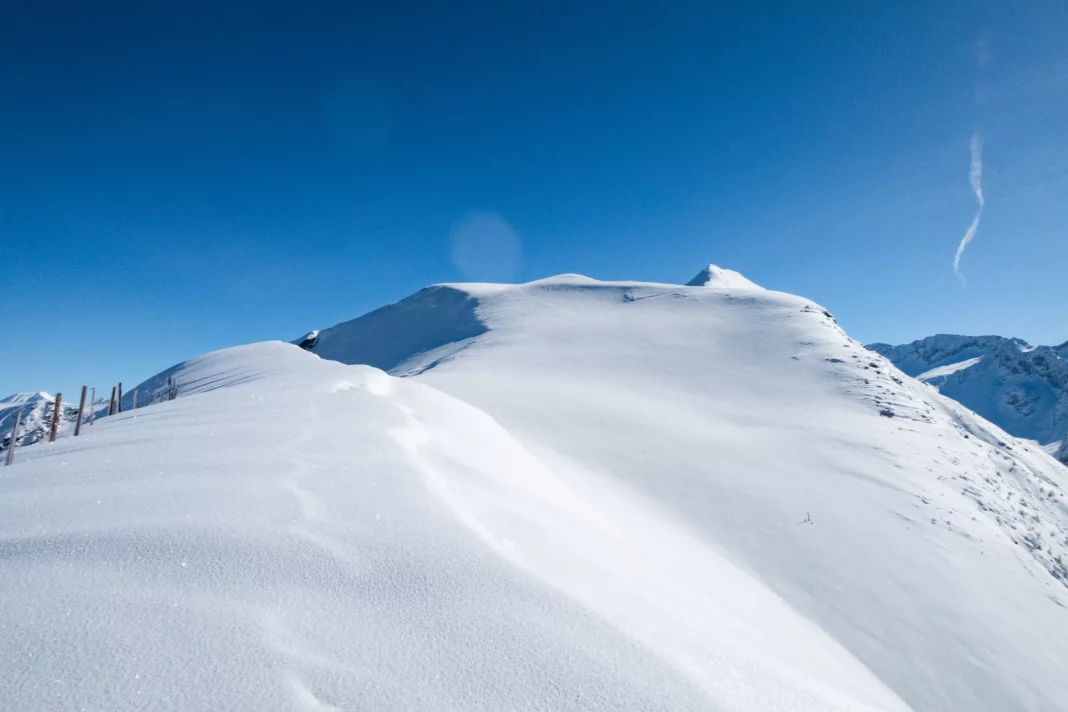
(937, 544)
(592, 496)
(1022, 388)
(298, 534)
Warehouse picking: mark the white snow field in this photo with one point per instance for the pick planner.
(571, 495)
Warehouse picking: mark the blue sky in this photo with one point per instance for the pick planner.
(181, 177)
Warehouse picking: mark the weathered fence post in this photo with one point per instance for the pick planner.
(111, 408)
(14, 438)
(134, 400)
(92, 406)
(55, 417)
(81, 413)
(120, 396)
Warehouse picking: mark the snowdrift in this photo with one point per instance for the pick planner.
(934, 544)
(564, 495)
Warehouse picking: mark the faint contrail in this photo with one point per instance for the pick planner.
(976, 178)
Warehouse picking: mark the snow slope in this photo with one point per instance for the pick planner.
(584, 496)
(934, 544)
(293, 533)
(1022, 388)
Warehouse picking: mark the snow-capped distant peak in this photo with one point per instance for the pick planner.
(1020, 387)
(23, 398)
(719, 278)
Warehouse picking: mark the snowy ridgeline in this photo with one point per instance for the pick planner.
(1022, 388)
(564, 495)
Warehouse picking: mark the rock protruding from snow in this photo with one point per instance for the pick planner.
(719, 278)
(308, 341)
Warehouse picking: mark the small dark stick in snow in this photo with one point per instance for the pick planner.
(81, 414)
(55, 418)
(111, 407)
(807, 519)
(92, 406)
(119, 401)
(14, 438)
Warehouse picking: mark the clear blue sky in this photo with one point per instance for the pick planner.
(179, 177)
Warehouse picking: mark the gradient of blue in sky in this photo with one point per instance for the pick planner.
(179, 177)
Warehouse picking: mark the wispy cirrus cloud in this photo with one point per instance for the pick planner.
(975, 176)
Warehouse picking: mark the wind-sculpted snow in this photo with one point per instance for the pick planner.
(437, 320)
(584, 496)
(926, 541)
(298, 534)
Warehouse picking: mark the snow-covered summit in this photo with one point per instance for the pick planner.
(23, 398)
(564, 495)
(720, 278)
(729, 409)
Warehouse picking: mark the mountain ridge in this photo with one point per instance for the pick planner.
(579, 494)
(1022, 388)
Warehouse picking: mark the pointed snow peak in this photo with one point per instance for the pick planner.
(719, 278)
(23, 398)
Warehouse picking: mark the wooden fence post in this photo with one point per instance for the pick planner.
(134, 400)
(111, 408)
(55, 417)
(92, 407)
(14, 438)
(120, 396)
(81, 413)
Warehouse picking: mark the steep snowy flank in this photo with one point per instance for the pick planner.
(1022, 388)
(928, 542)
(719, 278)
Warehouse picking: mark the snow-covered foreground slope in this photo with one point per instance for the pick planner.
(294, 533)
(927, 542)
(1022, 388)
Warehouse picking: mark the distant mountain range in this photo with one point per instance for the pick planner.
(35, 412)
(1022, 388)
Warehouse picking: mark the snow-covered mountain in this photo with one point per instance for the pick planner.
(35, 412)
(718, 277)
(562, 495)
(1022, 388)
